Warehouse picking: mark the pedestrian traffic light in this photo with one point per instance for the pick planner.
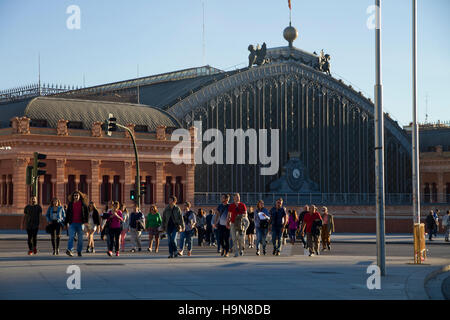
(110, 124)
(132, 195)
(143, 187)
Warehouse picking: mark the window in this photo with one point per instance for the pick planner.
(148, 196)
(4, 191)
(179, 190)
(434, 192)
(83, 185)
(117, 189)
(75, 125)
(71, 186)
(168, 189)
(140, 128)
(47, 189)
(105, 190)
(39, 123)
(426, 193)
(11, 190)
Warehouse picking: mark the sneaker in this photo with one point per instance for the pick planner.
(180, 253)
(189, 253)
(117, 253)
(57, 252)
(69, 253)
(150, 250)
(35, 251)
(170, 257)
(329, 248)
(311, 254)
(133, 250)
(241, 253)
(88, 250)
(274, 252)
(79, 254)
(109, 253)
(226, 255)
(257, 252)
(92, 250)
(30, 252)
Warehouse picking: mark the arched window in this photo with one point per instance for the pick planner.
(105, 194)
(179, 190)
(83, 185)
(426, 193)
(47, 189)
(117, 189)
(168, 189)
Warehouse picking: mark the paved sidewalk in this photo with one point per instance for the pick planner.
(335, 238)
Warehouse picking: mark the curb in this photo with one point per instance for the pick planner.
(433, 275)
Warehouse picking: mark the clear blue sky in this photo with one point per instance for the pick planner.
(163, 36)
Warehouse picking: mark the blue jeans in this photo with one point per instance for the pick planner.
(186, 236)
(172, 234)
(276, 238)
(261, 238)
(75, 228)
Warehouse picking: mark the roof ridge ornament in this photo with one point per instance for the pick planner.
(257, 56)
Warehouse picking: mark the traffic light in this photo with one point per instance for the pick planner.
(29, 175)
(143, 187)
(132, 195)
(110, 124)
(37, 164)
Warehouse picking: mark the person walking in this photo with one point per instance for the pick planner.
(210, 239)
(172, 222)
(238, 224)
(31, 221)
(55, 216)
(92, 226)
(251, 227)
(327, 228)
(201, 227)
(262, 220)
(430, 223)
(278, 221)
(311, 219)
(104, 223)
(221, 223)
(436, 219)
(300, 225)
(125, 226)
(115, 218)
(76, 217)
(292, 225)
(189, 224)
(446, 225)
(152, 224)
(137, 225)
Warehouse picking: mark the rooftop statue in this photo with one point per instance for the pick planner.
(324, 62)
(257, 56)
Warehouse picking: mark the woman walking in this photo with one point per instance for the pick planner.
(92, 226)
(76, 217)
(251, 228)
(125, 226)
(201, 226)
(55, 218)
(293, 225)
(152, 225)
(189, 223)
(115, 218)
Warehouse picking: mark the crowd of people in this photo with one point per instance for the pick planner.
(228, 227)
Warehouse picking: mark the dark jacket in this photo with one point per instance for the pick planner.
(84, 213)
(33, 216)
(430, 222)
(176, 215)
(95, 217)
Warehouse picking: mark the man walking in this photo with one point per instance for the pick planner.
(301, 218)
(430, 222)
(172, 222)
(446, 225)
(313, 239)
(137, 225)
(278, 221)
(327, 228)
(221, 222)
(189, 225)
(238, 224)
(77, 215)
(31, 220)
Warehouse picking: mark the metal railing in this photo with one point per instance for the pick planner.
(213, 198)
